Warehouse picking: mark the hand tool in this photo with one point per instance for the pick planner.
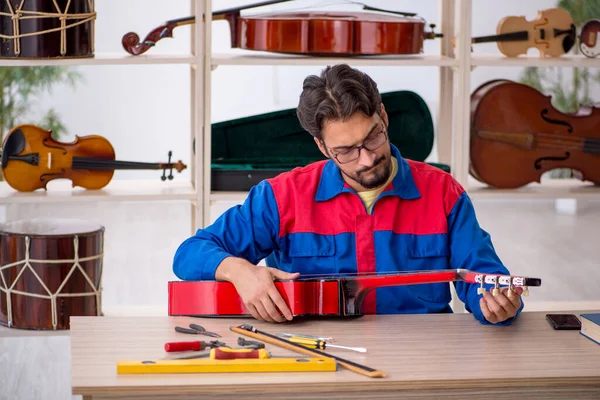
(196, 330)
(195, 345)
(321, 344)
(251, 331)
(309, 364)
(289, 335)
(250, 343)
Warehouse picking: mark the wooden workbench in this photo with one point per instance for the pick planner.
(450, 356)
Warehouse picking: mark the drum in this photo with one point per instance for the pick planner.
(36, 29)
(50, 270)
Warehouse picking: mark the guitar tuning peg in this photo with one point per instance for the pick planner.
(510, 289)
(496, 289)
(481, 288)
(525, 291)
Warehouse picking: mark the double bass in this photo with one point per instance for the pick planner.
(318, 33)
(517, 135)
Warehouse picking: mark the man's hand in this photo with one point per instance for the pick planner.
(501, 307)
(255, 286)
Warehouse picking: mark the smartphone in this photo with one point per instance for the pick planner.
(564, 321)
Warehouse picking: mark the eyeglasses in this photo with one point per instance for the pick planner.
(371, 144)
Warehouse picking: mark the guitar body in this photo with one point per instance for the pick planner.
(334, 296)
(541, 33)
(588, 38)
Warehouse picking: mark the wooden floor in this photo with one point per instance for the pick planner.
(530, 237)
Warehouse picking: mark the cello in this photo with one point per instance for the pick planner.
(31, 158)
(517, 135)
(317, 33)
(314, 296)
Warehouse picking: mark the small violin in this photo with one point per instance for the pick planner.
(343, 33)
(31, 158)
(552, 32)
(337, 295)
(517, 135)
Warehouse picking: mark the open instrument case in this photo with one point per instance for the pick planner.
(248, 150)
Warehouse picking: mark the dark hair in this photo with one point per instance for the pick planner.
(337, 94)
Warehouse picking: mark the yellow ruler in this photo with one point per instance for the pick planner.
(305, 364)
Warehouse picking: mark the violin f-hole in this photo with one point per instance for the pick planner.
(555, 121)
(538, 162)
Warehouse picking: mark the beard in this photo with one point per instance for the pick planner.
(375, 176)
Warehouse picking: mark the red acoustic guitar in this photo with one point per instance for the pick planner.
(322, 296)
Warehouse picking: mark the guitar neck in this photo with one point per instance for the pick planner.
(97, 164)
(420, 277)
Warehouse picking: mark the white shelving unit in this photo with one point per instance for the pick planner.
(452, 124)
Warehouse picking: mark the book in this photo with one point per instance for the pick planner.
(590, 326)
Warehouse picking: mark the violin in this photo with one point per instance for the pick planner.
(552, 32)
(517, 135)
(338, 295)
(588, 38)
(31, 158)
(344, 33)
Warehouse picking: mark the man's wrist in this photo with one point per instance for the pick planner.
(230, 268)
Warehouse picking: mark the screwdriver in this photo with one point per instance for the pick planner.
(321, 344)
(195, 345)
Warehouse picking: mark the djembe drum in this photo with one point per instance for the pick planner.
(50, 270)
(36, 29)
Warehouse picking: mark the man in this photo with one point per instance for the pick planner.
(364, 210)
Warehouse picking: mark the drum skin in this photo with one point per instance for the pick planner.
(79, 39)
(30, 305)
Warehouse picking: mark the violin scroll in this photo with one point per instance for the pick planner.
(131, 41)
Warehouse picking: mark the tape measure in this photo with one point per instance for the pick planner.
(307, 364)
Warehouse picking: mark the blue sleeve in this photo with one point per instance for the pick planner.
(248, 231)
(471, 248)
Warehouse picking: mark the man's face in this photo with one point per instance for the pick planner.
(372, 168)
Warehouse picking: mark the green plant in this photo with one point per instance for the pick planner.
(568, 93)
(18, 88)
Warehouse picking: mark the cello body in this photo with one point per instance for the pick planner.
(517, 135)
(329, 33)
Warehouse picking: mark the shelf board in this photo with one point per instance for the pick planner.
(60, 191)
(264, 58)
(548, 189)
(500, 60)
(103, 59)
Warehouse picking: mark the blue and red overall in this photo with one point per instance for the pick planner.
(310, 221)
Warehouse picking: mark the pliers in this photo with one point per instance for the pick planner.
(196, 330)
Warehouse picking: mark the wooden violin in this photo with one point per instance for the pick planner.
(342, 33)
(31, 158)
(517, 135)
(588, 38)
(322, 296)
(552, 32)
